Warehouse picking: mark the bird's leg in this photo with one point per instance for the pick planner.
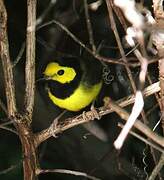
(94, 111)
(93, 114)
(55, 123)
(53, 127)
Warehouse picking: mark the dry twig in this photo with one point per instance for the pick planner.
(66, 171)
(157, 168)
(74, 121)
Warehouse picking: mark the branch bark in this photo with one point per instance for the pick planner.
(21, 122)
(30, 57)
(6, 63)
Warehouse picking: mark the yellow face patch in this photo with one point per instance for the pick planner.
(59, 73)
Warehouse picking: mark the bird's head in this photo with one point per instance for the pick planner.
(62, 74)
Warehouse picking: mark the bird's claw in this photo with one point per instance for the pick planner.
(53, 127)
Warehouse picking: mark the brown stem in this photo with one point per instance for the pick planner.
(20, 121)
(24, 128)
(30, 160)
(157, 168)
(7, 67)
(89, 26)
(115, 31)
(30, 56)
(138, 124)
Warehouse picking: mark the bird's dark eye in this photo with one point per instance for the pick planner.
(60, 72)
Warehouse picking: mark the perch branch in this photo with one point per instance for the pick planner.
(77, 120)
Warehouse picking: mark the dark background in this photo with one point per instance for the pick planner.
(75, 149)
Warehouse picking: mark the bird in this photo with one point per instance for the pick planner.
(73, 83)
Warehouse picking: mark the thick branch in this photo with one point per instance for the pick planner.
(23, 128)
(30, 56)
(30, 161)
(6, 63)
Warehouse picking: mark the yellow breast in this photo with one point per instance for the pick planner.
(81, 97)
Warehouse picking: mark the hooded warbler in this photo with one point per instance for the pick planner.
(72, 84)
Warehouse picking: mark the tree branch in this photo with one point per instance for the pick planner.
(138, 124)
(21, 121)
(6, 63)
(61, 126)
(157, 168)
(30, 57)
(66, 171)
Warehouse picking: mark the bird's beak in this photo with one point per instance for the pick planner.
(49, 77)
(43, 79)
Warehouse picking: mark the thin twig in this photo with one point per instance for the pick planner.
(45, 12)
(11, 168)
(3, 107)
(6, 123)
(8, 129)
(142, 60)
(138, 124)
(114, 28)
(156, 94)
(150, 90)
(120, 16)
(153, 152)
(20, 54)
(139, 64)
(157, 168)
(146, 141)
(89, 26)
(66, 171)
(64, 28)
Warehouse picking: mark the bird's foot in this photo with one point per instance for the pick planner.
(53, 128)
(94, 111)
(54, 125)
(91, 115)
